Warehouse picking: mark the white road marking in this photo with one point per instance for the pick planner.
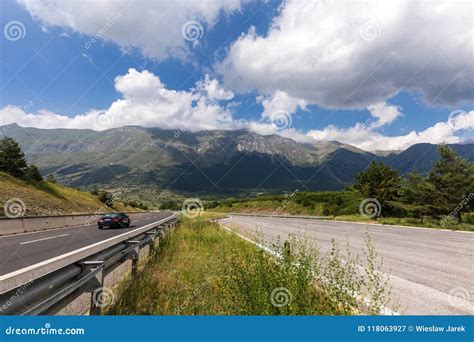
(47, 238)
(7, 281)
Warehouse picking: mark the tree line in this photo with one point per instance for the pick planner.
(447, 190)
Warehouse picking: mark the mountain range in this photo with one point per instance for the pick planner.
(209, 162)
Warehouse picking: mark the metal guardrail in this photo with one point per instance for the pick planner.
(51, 292)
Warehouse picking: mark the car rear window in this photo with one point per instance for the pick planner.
(111, 215)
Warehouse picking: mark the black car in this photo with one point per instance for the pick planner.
(114, 220)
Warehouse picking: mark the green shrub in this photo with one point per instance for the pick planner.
(170, 205)
(33, 174)
(107, 198)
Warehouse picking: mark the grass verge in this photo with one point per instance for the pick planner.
(200, 269)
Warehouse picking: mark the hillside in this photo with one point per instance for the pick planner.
(223, 163)
(423, 156)
(48, 198)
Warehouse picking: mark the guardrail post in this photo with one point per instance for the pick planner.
(134, 255)
(96, 309)
(151, 245)
(95, 286)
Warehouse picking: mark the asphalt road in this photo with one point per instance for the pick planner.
(22, 250)
(431, 271)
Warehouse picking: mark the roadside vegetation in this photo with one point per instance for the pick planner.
(26, 193)
(201, 269)
(444, 198)
(47, 198)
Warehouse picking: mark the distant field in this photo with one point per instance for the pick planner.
(325, 203)
(46, 198)
(269, 207)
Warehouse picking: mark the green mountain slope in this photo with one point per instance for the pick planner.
(209, 162)
(18, 196)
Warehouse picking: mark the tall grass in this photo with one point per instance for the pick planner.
(331, 283)
(199, 269)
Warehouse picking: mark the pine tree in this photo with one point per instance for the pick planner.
(33, 174)
(453, 181)
(416, 195)
(380, 182)
(12, 158)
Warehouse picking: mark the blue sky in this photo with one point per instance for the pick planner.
(49, 69)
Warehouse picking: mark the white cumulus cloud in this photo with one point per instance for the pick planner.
(147, 102)
(337, 54)
(352, 54)
(154, 27)
(279, 102)
(365, 137)
(213, 90)
(384, 113)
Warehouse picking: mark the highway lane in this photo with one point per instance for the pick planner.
(22, 250)
(431, 271)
